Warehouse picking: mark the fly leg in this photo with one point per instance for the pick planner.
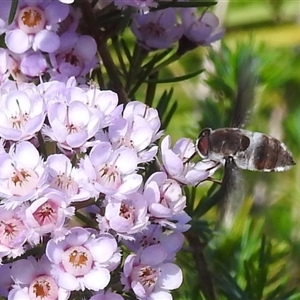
(217, 164)
(214, 180)
(189, 159)
(228, 162)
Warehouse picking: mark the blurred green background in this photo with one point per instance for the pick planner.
(256, 256)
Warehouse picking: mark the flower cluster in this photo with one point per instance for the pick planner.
(35, 47)
(103, 150)
(89, 193)
(160, 29)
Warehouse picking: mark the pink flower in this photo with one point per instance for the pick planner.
(134, 133)
(164, 196)
(156, 29)
(83, 260)
(13, 233)
(155, 235)
(137, 108)
(34, 26)
(166, 202)
(22, 114)
(71, 181)
(137, 130)
(25, 66)
(33, 64)
(149, 276)
(76, 55)
(112, 172)
(125, 217)
(106, 102)
(47, 214)
(199, 30)
(34, 281)
(71, 125)
(176, 162)
(22, 174)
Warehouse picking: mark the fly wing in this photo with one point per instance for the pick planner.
(246, 80)
(232, 187)
(231, 192)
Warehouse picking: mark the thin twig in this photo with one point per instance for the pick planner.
(98, 35)
(205, 281)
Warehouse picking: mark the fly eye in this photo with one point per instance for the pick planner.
(202, 143)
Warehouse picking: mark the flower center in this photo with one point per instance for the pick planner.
(43, 288)
(31, 19)
(126, 211)
(72, 128)
(109, 176)
(65, 184)
(18, 120)
(22, 181)
(46, 213)
(77, 260)
(71, 59)
(126, 142)
(148, 276)
(153, 29)
(10, 230)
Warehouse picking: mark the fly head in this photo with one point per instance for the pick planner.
(203, 144)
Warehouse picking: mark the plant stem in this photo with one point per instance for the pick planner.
(205, 281)
(151, 89)
(111, 69)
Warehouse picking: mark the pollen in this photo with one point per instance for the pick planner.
(41, 288)
(77, 260)
(31, 19)
(127, 142)
(10, 229)
(22, 181)
(126, 211)
(110, 176)
(19, 121)
(148, 276)
(19, 178)
(63, 182)
(72, 129)
(71, 59)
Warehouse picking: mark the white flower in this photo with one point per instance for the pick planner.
(71, 126)
(22, 114)
(112, 172)
(22, 174)
(34, 281)
(71, 181)
(83, 260)
(47, 215)
(176, 162)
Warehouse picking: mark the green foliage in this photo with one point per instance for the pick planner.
(252, 258)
